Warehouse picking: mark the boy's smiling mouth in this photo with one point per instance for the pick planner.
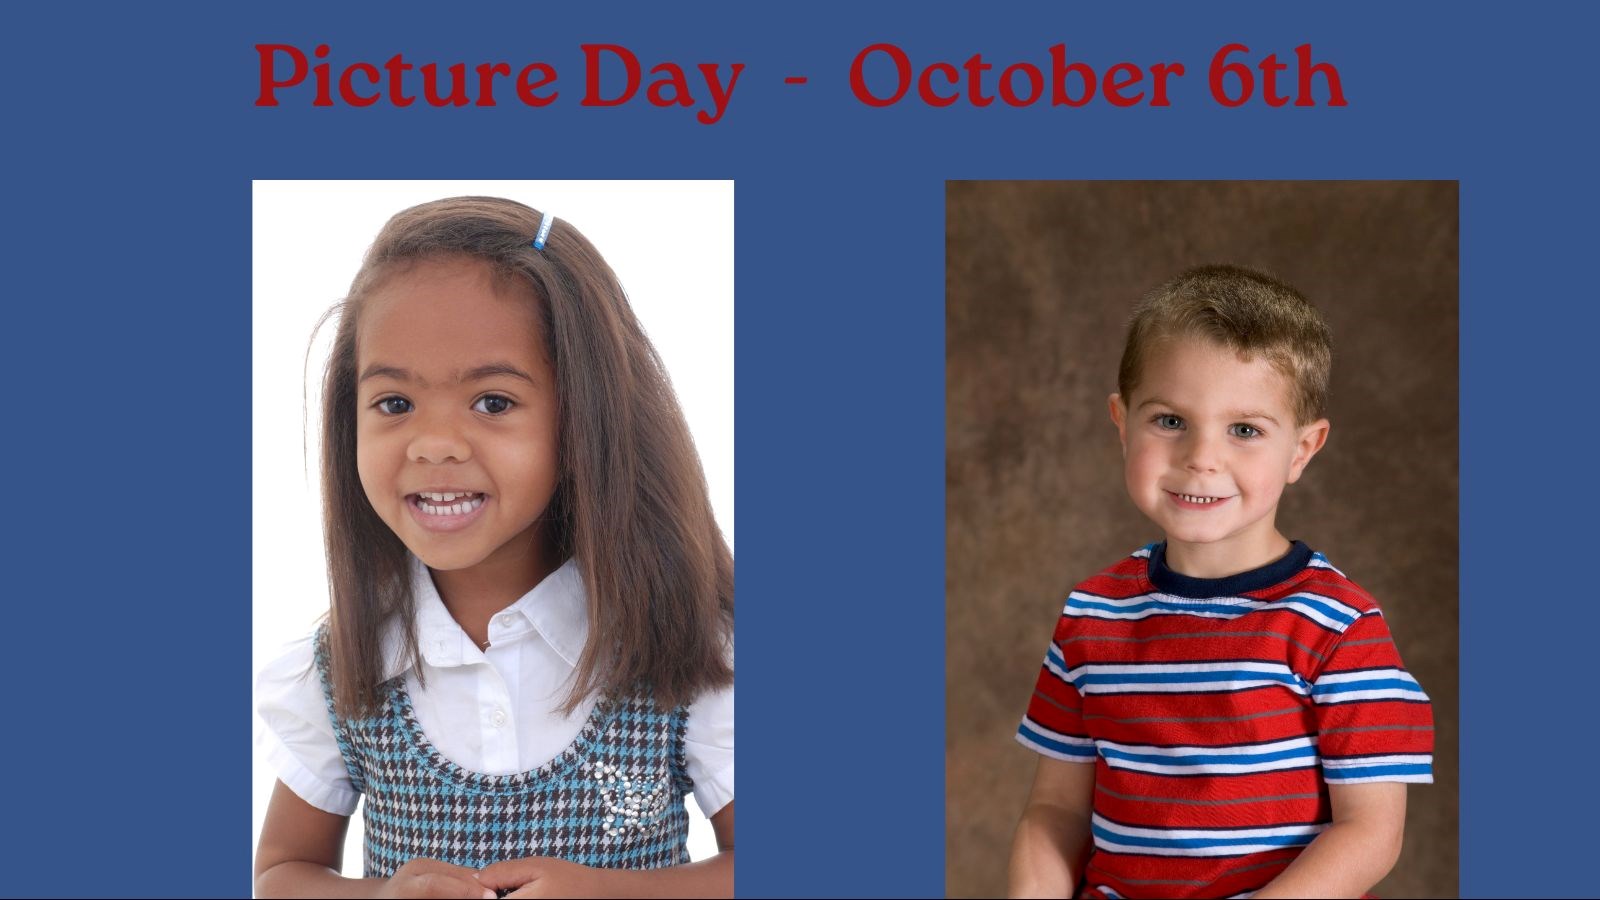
(1195, 501)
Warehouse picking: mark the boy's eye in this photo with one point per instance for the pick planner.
(1168, 422)
(493, 404)
(393, 406)
(1241, 430)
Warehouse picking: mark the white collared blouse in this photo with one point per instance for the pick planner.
(495, 711)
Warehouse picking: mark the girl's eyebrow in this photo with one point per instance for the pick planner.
(477, 373)
(489, 370)
(378, 371)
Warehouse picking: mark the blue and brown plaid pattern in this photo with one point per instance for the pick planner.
(613, 799)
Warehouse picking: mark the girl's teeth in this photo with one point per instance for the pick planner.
(440, 506)
(1193, 499)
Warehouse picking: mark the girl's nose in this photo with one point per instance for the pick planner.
(438, 441)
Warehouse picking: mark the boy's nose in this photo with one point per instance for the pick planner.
(1201, 455)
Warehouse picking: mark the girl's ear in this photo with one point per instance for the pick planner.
(1119, 418)
(1311, 439)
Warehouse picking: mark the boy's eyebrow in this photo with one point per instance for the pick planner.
(477, 373)
(1242, 414)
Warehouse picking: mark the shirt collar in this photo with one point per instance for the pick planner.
(1187, 586)
(557, 609)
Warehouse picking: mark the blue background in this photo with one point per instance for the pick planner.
(131, 139)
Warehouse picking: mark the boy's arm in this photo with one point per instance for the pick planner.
(1053, 836)
(1355, 852)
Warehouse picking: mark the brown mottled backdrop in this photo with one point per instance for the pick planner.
(1041, 277)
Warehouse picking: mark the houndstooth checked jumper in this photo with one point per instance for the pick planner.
(613, 799)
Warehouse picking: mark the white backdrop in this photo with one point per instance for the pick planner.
(671, 245)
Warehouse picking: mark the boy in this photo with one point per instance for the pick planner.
(1222, 713)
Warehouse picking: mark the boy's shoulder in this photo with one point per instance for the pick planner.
(1322, 578)
(1127, 577)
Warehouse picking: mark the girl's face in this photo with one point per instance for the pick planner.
(456, 434)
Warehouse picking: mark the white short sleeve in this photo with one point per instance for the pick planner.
(708, 745)
(297, 735)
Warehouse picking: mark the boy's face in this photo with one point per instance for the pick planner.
(1209, 441)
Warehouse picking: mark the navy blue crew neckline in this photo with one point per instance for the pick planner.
(1176, 583)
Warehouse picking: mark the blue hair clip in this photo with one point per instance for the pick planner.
(544, 231)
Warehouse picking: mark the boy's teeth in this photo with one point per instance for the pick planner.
(1193, 499)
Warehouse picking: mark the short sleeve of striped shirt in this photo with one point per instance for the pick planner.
(1053, 725)
(1374, 722)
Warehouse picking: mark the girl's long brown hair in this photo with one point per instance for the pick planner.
(630, 504)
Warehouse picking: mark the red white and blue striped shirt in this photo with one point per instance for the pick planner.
(1216, 712)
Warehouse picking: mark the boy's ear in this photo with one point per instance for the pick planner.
(1119, 417)
(1312, 437)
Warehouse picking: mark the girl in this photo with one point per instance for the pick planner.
(527, 660)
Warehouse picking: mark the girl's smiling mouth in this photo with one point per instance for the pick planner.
(446, 510)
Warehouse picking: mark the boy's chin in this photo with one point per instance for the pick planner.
(1195, 540)
(1248, 542)
(1199, 534)
(1175, 528)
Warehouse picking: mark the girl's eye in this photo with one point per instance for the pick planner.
(493, 404)
(1168, 422)
(1242, 430)
(393, 406)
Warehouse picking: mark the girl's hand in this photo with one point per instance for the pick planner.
(543, 876)
(432, 878)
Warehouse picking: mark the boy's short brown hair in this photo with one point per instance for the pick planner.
(1239, 308)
